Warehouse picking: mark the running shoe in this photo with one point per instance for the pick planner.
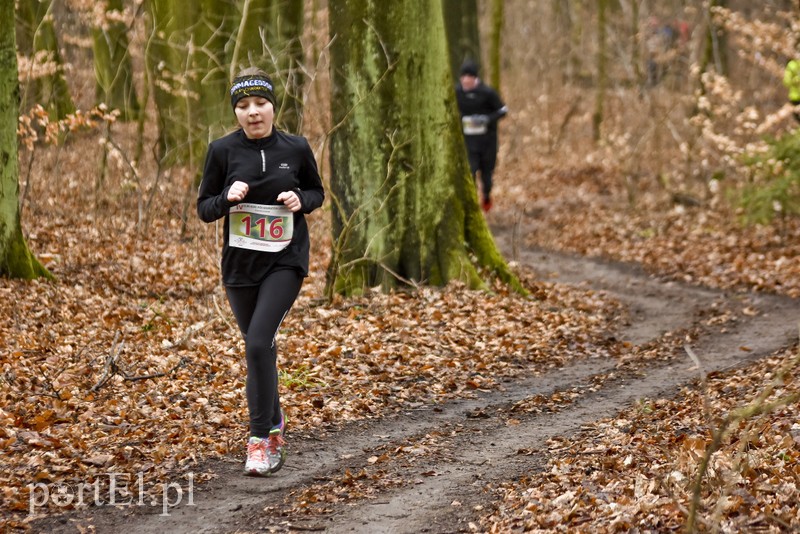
(258, 462)
(276, 445)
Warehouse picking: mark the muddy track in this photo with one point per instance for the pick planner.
(442, 458)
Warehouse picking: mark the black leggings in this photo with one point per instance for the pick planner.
(259, 311)
(483, 158)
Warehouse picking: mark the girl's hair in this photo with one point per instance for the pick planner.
(252, 71)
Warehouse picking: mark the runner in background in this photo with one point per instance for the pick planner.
(791, 80)
(661, 52)
(262, 181)
(480, 107)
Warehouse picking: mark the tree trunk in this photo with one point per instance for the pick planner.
(715, 51)
(566, 14)
(270, 39)
(167, 60)
(193, 61)
(712, 50)
(37, 40)
(214, 40)
(112, 63)
(495, 41)
(16, 259)
(562, 23)
(405, 207)
(188, 61)
(461, 28)
(289, 61)
(602, 75)
(636, 46)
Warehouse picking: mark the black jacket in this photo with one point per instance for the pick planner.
(483, 100)
(280, 162)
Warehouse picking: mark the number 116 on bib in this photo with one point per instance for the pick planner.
(260, 227)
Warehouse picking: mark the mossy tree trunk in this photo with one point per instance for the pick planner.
(405, 208)
(112, 63)
(188, 55)
(461, 28)
(214, 37)
(193, 58)
(175, 91)
(496, 43)
(270, 38)
(45, 82)
(16, 259)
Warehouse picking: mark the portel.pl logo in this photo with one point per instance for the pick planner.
(115, 489)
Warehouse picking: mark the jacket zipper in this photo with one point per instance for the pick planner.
(263, 162)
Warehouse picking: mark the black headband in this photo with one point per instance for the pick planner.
(253, 85)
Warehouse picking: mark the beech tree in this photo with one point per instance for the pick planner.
(715, 50)
(212, 37)
(405, 208)
(37, 40)
(461, 28)
(175, 85)
(194, 51)
(270, 38)
(602, 73)
(16, 259)
(496, 42)
(568, 22)
(112, 63)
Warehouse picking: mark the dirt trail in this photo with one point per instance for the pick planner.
(475, 441)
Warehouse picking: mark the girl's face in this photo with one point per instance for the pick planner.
(255, 115)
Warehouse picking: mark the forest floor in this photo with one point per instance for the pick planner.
(647, 383)
(587, 406)
(432, 468)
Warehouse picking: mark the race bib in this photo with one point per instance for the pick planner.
(260, 227)
(472, 127)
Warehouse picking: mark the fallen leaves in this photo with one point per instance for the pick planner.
(131, 362)
(638, 471)
(698, 246)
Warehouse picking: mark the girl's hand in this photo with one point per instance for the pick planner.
(290, 200)
(238, 191)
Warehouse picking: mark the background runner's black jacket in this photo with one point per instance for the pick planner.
(280, 162)
(483, 100)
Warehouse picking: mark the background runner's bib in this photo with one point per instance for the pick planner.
(473, 127)
(260, 227)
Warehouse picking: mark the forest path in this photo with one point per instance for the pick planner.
(426, 469)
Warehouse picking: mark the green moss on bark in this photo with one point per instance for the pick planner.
(17, 261)
(405, 204)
